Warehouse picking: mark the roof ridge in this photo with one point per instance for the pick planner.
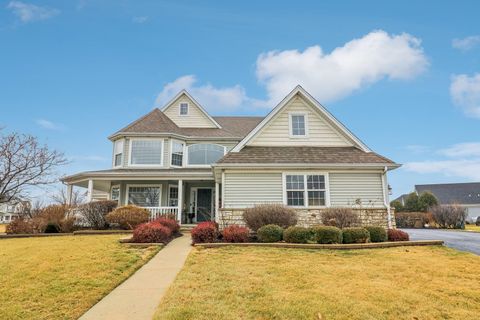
(155, 110)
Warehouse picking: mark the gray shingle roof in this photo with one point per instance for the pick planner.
(317, 155)
(447, 193)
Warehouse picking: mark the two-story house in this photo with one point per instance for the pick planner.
(182, 161)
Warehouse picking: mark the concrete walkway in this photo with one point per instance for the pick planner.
(138, 297)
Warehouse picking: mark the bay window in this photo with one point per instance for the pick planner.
(146, 152)
(144, 196)
(305, 190)
(204, 153)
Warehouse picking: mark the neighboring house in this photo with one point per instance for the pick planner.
(182, 161)
(11, 210)
(466, 195)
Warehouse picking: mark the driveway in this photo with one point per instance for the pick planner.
(461, 240)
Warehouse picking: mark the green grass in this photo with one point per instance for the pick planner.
(271, 283)
(62, 277)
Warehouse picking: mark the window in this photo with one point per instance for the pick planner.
(173, 196)
(118, 153)
(183, 109)
(298, 125)
(204, 154)
(115, 193)
(144, 196)
(146, 152)
(305, 190)
(177, 153)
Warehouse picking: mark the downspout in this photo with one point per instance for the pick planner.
(385, 202)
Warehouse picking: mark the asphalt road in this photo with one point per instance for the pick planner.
(461, 240)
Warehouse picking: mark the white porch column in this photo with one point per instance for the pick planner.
(69, 194)
(217, 202)
(90, 191)
(180, 201)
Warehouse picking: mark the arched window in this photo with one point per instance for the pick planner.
(204, 153)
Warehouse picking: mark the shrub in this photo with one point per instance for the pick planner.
(297, 235)
(397, 235)
(94, 213)
(327, 234)
(170, 223)
(26, 226)
(151, 233)
(52, 228)
(270, 233)
(205, 232)
(478, 221)
(411, 202)
(377, 234)
(235, 234)
(339, 217)
(426, 201)
(450, 216)
(264, 214)
(397, 205)
(128, 217)
(413, 219)
(57, 218)
(355, 235)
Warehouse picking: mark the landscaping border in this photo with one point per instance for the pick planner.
(75, 233)
(326, 246)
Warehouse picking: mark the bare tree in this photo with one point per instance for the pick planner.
(61, 197)
(25, 163)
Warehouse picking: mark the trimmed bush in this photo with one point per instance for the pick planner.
(377, 234)
(170, 223)
(340, 217)
(355, 235)
(450, 216)
(265, 214)
(397, 235)
(57, 217)
(413, 219)
(26, 226)
(235, 234)
(94, 213)
(151, 233)
(205, 232)
(270, 233)
(128, 217)
(327, 235)
(297, 235)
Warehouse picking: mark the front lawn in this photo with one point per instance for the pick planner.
(472, 227)
(62, 277)
(269, 283)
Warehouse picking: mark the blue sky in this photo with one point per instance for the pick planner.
(404, 76)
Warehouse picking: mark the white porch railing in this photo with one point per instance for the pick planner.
(157, 212)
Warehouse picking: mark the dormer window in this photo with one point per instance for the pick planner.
(118, 153)
(298, 125)
(183, 109)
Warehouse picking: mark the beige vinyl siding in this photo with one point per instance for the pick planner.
(319, 132)
(345, 188)
(195, 117)
(248, 189)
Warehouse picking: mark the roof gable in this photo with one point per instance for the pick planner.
(325, 129)
(450, 193)
(196, 117)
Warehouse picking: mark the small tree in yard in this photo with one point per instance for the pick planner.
(397, 205)
(411, 203)
(426, 201)
(24, 163)
(450, 216)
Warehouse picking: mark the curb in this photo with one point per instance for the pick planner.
(326, 246)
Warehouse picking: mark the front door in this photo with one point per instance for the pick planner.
(204, 205)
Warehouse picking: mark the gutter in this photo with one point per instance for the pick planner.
(385, 196)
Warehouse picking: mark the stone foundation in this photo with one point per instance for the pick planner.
(312, 217)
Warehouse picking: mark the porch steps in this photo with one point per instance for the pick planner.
(187, 227)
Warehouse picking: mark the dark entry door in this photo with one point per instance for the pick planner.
(204, 205)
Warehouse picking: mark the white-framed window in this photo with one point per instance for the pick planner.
(144, 195)
(118, 153)
(115, 193)
(183, 109)
(177, 153)
(306, 189)
(172, 196)
(298, 125)
(204, 154)
(146, 152)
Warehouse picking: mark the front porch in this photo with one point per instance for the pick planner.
(189, 201)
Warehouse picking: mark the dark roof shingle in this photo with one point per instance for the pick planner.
(449, 193)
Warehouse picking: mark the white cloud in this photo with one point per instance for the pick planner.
(140, 19)
(467, 43)
(466, 149)
(465, 93)
(213, 99)
(47, 124)
(330, 76)
(28, 12)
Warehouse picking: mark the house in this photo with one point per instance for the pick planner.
(180, 160)
(466, 195)
(11, 210)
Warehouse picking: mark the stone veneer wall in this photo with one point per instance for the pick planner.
(311, 217)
